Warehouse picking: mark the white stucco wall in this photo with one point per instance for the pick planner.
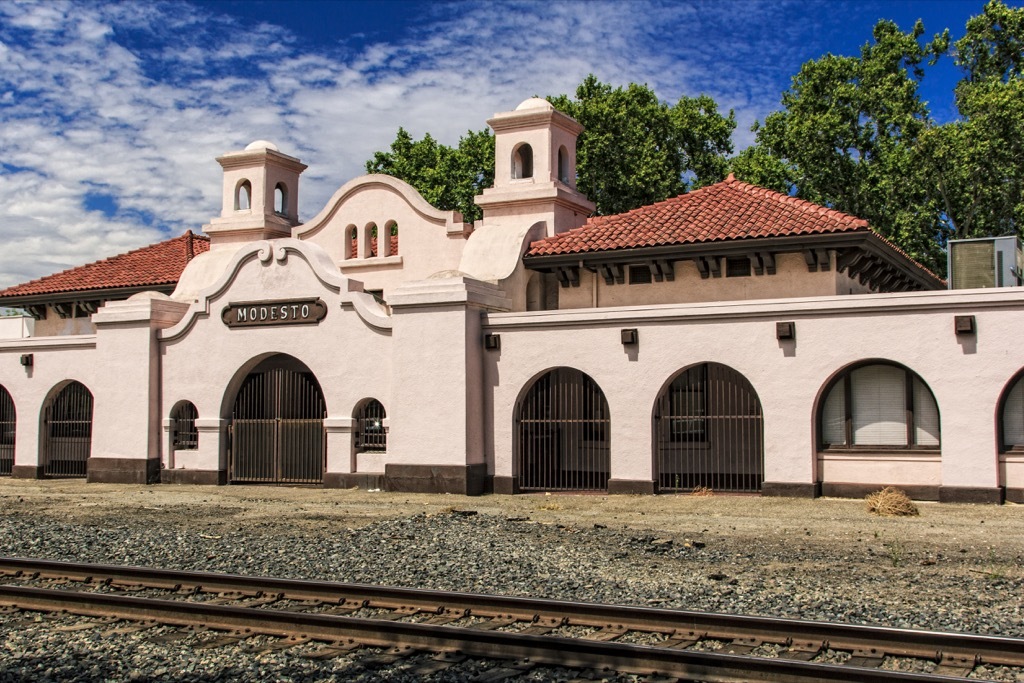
(966, 375)
(205, 361)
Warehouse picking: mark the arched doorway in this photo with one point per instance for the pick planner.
(564, 434)
(276, 430)
(7, 431)
(67, 432)
(708, 432)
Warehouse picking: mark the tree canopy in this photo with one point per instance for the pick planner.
(447, 177)
(635, 150)
(852, 134)
(847, 137)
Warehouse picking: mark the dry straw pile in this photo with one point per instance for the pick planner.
(891, 502)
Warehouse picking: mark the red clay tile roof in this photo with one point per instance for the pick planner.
(157, 264)
(728, 210)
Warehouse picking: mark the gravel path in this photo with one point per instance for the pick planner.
(956, 567)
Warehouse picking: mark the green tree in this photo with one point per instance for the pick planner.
(848, 137)
(636, 149)
(978, 160)
(447, 177)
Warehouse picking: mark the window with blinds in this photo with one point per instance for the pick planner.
(870, 406)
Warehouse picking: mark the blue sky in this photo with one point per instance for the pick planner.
(111, 114)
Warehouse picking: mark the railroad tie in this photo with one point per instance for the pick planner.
(607, 633)
(85, 626)
(952, 665)
(742, 646)
(869, 658)
(493, 624)
(802, 650)
(332, 650)
(680, 640)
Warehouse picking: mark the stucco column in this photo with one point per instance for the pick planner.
(126, 411)
(436, 438)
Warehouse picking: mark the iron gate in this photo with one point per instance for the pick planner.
(708, 432)
(564, 440)
(7, 428)
(67, 429)
(277, 429)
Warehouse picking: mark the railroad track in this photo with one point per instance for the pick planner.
(661, 643)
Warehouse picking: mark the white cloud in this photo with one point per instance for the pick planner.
(138, 98)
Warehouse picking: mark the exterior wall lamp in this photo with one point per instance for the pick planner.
(964, 324)
(630, 336)
(492, 342)
(785, 330)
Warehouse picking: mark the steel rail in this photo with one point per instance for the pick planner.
(557, 651)
(803, 639)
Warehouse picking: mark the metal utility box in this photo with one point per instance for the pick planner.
(985, 262)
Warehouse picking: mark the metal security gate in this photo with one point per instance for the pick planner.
(67, 431)
(708, 432)
(277, 429)
(564, 434)
(371, 437)
(7, 428)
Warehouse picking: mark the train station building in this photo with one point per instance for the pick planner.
(731, 338)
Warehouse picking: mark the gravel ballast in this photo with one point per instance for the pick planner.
(955, 567)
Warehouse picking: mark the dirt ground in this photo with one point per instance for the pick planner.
(998, 531)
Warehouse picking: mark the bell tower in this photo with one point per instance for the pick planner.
(260, 196)
(535, 169)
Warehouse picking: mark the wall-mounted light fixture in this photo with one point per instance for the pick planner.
(964, 324)
(630, 336)
(26, 359)
(492, 342)
(785, 330)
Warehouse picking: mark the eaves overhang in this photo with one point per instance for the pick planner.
(860, 253)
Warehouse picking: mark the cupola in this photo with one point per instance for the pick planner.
(535, 168)
(260, 196)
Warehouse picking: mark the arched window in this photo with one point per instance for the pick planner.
(522, 162)
(563, 165)
(1012, 414)
(371, 237)
(391, 230)
(281, 200)
(879, 405)
(371, 434)
(243, 196)
(564, 434)
(353, 241)
(183, 418)
(7, 431)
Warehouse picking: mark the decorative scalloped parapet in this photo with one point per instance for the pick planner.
(278, 252)
(450, 220)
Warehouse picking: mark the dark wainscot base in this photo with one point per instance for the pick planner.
(122, 471)
(27, 472)
(631, 487)
(790, 489)
(843, 490)
(467, 480)
(352, 480)
(200, 477)
(1014, 496)
(971, 494)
